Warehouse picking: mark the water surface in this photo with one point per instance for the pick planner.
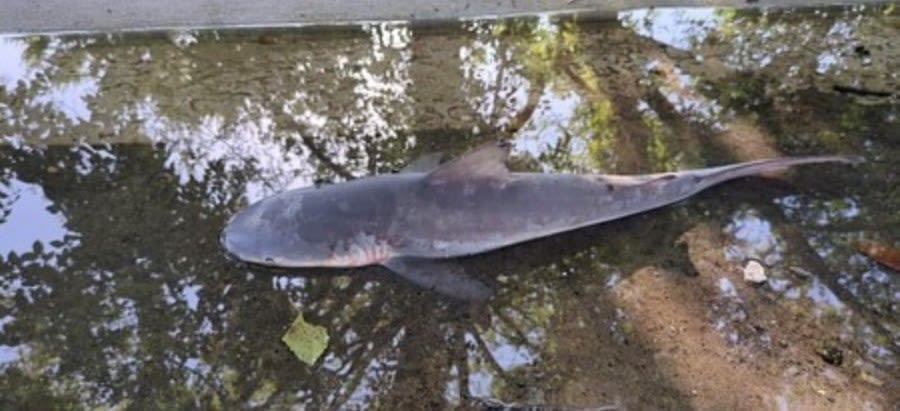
(122, 156)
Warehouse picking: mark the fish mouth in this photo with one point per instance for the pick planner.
(228, 252)
(236, 246)
(223, 240)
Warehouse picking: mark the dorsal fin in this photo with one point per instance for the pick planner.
(424, 163)
(486, 161)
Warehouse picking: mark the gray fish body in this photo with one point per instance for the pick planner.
(413, 220)
(470, 217)
(403, 215)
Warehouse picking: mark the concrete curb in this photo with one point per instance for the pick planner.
(62, 16)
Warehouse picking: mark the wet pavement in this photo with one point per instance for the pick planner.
(122, 156)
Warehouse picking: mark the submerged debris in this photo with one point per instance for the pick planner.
(267, 39)
(800, 272)
(755, 272)
(884, 254)
(490, 404)
(871, 379)
(831, 354)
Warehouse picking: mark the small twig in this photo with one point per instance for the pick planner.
(522, 117)
(486, 353)
(861, 91)
(509, 323)
(320, 155)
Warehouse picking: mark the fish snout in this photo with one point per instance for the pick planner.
(237, 243)
(223, 241)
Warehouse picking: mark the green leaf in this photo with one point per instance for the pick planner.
(306, 341)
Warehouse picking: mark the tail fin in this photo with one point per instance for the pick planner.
(716, 175)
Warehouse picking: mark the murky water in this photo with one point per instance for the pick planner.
(121, 157)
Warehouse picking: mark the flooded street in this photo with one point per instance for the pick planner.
(122, 156)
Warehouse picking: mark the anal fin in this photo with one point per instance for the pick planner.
(443, 276)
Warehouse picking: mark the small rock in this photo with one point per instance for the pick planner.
(832, 354)
(754, 272)
(267, 39)
(871, 379)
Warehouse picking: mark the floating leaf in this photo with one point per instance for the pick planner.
(883, 253)
(306, 341)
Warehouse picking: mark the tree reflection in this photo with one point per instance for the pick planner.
(144, 146)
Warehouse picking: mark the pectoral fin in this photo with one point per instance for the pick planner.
(443, 276)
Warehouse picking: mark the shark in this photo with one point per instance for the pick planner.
(419, 221)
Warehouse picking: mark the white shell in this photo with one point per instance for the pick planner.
(754, 272)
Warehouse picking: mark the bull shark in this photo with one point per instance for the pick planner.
(417, 221)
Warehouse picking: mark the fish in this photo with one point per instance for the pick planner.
(417, 222)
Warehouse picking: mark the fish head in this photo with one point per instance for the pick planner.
(269, 232)
(342, 225)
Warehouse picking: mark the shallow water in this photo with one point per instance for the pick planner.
(121, 157)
